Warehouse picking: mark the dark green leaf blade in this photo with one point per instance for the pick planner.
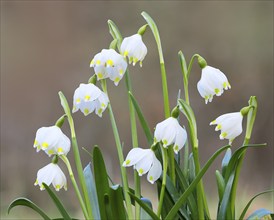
(192, 186)
(142, 120)
(28, 203)
(117, 202)
(57, 202)
(101, 180)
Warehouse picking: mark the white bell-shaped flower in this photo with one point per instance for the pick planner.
(87, 98)
(51, 174)
(170, 132)
(144, 160)
(230, 125)
(109, 64)
(134, 48)
(212, 82)
(51, 140)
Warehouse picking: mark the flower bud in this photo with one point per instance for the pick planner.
(202, 62)
(142, 29)
(175, 112)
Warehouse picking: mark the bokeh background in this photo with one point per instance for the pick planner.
(46, 46)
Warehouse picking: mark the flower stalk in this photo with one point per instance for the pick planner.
(120, 154)
(74, 183)
(76, 154)
(156, 35)
(251, 116)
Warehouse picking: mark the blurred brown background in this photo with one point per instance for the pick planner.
(46, 46)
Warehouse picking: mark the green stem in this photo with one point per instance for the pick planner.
(249, 127)
(162, 193)
(76, 154)
(77, 191)
(200, 191)
(156, 35)
(120, 154)
(134, 138)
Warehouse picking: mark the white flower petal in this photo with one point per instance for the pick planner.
(134, 156)
(155, 171)
(180, 139)
(144, 165)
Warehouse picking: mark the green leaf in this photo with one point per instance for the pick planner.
(143, 214)
(188, 112)
(174, 194)
(57, 202)
(89, 179)
(142, 120)
(115, 33)
(259, 214)
(117, 202)
(145, 207)
(235, 159)
(64, 104)
(30, 204)
(101, 180)
(220, 184)
(224, 211)
(192, 186)
(191, 171)
(183, 185)
(251, 200)
(183, 65)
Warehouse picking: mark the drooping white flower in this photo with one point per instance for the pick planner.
(51, 140)
(230, 125)
(144, 160)
(170, 132)
(212, 82)
(87, 98)
(109, 64)
(51, 174)
(134, 48)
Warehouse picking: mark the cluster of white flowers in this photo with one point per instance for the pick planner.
(88, 98)
(52, 141)
(110, 64)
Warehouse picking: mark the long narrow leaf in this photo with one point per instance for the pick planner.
(30, 204)
(235, 157)
(192, 186)
(92, 191)
(142, 120)
(223, 210)
(101, 180)
(57, 202)
(251, 200)
(145, 207)
(117, 202)
(183, 184)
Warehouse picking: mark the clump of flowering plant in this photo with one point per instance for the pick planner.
(181, 193)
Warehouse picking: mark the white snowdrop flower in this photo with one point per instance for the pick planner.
(212, 82)
(144, 160)
(230, 125)
(109, 64)
(170, 132)
(52, 140)
(134, 48)
(87, 98)
(51, 174)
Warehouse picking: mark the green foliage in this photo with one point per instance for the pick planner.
(30, 204)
